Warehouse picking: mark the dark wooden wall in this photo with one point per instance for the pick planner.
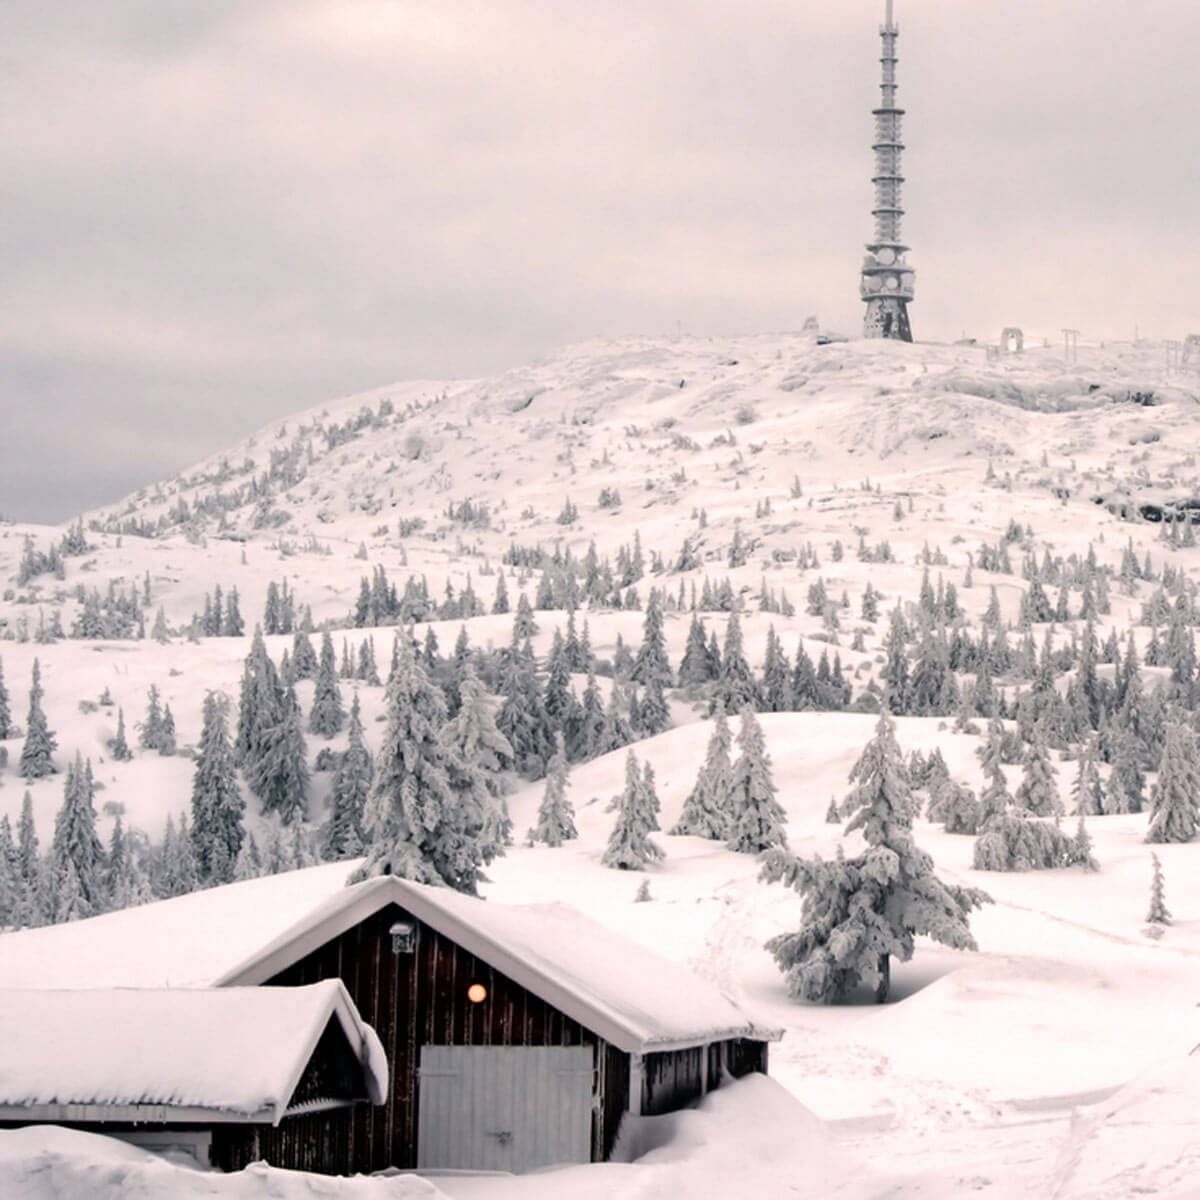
(676, 1078)
(416, 999)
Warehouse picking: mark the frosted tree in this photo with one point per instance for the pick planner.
(1087, 790)
(217, 804)
(37, 753)
(343, 835)
(166, 740)
(735, 687)
(954, 805)
(176, 874)
(6, 721)
(415, 826)
(707, 809)
(249, 863)
(125, 882)
(756, 819)
(151, 733)
(1038, 793)
(304, 658)
(278, 771)
(327, 716)
(859, 913)
(478, 755)
(1014, 840)
(76, 855)
(651, 664)
(556, 815)
(31, 898)
(653, 715)
(118, 745)
(629, 846)
(1175, 797)
(1159, 914)
(1081, 847)
(260, 705)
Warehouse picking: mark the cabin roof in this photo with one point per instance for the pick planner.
(247, 933)
(229, 1054)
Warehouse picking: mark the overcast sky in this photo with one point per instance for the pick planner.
(215, 212)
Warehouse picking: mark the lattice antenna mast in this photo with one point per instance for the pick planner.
(887, 279)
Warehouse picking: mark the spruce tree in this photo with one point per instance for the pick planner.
(278, 772)
(478, 755)
(756, 818)
(304, 658)
(125, 883)
(37, 753)
(556, 815)
(343, 835)
(76, 855)
(651, 664)
(118, 745)
(1081, 847)
(1175, 797)
(859, 913)
(415, 827)
(735, 687)
(629, 846)
(1038, 793)
(217, 804)
(166, 739)
(708, 808)
(6, 721)
(151, 733)
(1159, 914)
(694, 669)
(328, 715)
(31, 908)
(1087, 790)
(523, 718)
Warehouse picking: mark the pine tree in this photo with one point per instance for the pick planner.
(653, 715)
(1081, 847)
(756, 818)
(177, 875)
(556, 815)
(260, 705)
(1175, 797)
(6, 722)
(304, 658)
(479, 755)
(151, 733)
(233, 625)
(76, 855)
(1159, 914)
(217, 804)
(249, 863)
(735, 687)
(343, 835)
(1087, 790)
(166, 740)
(415, 827)
(40, 743)
(695, 668)
(1038, 793)
(523, 718)
(629, 846)
(859, 913)
(328, 715)
(118, 746)
(776, 681)
(707, 810)
(651, 664)
(278, 773)
(31, 898)
(125, 884)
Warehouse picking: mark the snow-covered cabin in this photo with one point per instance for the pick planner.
(516, 1036)
(205, 1070)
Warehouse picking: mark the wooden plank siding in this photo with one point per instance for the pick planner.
(674, 1079)
(412, 1000)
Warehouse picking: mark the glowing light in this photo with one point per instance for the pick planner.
(477, 993)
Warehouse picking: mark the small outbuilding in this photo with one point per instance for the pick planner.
(515, 1036)
(196, 1070)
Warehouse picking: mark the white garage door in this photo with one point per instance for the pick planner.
(504, 1108)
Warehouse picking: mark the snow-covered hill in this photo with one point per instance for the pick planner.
(756, 454)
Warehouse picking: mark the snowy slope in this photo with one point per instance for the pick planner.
(1067, 999)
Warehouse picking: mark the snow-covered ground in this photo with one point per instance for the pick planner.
(1007, 1071)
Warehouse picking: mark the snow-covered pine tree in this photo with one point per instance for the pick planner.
(343, 835)
(1175, 797)
(260, 705)
(176, 875)
(1081, 847)
(6, 721)
(1087, 790)
(1038, 793)
(707, 810)
(415, 826)
(651, 663)
(735, 687)
(629, 846)
(1013, 840)
(327, 716)
(76, 855)
(1159, 914)
(556, 815)
(590, 732)
(278, 771)
(151, 732)
(653, 714)
(694, 669)
(859, 913)
(954, 805)
(125, 883)
(304, 658)
(38, 750)
(523, 718)
(756, 819)
(31, 900)
(249, 862)
(217, 804)
(776, 680)
(166, 738)
(118, 746)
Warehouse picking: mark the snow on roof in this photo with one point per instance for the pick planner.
(190, 1054)
(628, 995)
(244, 933)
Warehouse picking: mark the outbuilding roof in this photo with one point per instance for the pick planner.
(172, 1054)
(245, 934)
